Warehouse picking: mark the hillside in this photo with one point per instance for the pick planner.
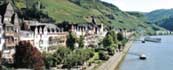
(80, 11)
(162, 17)
(158, 15)
(166, 23)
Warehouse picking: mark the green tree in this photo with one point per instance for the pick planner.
(108, 41)
(120, 36)
(103, 55)
(111, 50)
(81, 41)
(61, 54)
(71, 40)
(78, 57)
(85, 53)
(71, 60)
(114, 35)
(31, 4)
(49, 60)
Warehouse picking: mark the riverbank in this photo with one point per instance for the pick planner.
(158, 55)
(115, 60)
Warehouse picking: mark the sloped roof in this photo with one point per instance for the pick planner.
(9, 7)
(9, 10)
(51, 26)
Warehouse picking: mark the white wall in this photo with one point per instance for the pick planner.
(2, 40)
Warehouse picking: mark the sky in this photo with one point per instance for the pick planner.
(142, 5)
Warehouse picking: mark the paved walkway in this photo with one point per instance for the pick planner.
(114, 61)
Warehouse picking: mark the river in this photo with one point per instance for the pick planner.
(159, 55)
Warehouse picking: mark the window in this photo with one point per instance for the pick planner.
(41, 41)
(50, 40)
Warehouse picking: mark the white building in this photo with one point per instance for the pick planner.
(9, 36)
(88, 28)
(27, 36)
(2, 40)
(45, 36)
(91, 32)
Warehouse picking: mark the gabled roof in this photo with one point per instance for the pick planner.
(9, 10)
(9, 7)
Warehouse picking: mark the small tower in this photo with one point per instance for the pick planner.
(9, 13)
(11, 35)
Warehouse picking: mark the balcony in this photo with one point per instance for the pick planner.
(10, 33)
(10, 43)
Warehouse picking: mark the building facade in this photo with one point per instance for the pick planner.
(46, 36)
(10, 30)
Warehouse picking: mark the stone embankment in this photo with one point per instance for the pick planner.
(115, 60)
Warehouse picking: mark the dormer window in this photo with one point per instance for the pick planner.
(53, 30)
(48, 30)
(57, 30)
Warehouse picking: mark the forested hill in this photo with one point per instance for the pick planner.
(166, 23)
(162, 17)
(80, 11)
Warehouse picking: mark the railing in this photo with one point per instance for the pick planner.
(10, 33)
(10, 45)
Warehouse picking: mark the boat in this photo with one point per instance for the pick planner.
(152, 39)
(142, 57)
(143, 41)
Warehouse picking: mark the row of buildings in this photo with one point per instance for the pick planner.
(44, 36)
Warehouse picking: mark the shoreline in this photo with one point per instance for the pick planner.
(123, 54)
(114, 62)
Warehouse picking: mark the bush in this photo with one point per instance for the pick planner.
(103, 55)
(108, 41)
(124, 41)
(61, 54)
(50, 61)
(114, 46)
(120, 36)
(111, 51)
(71, 40)
(78, 57)
(72, 60)
(85, 53)
(100, 49)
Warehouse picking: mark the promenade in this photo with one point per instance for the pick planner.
(115, 60)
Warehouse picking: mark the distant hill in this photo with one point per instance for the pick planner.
(162, 17)
(166, 23)
(80, 11)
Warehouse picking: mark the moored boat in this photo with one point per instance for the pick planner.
(152, 39)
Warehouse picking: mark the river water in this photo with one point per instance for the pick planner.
(159, 55)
